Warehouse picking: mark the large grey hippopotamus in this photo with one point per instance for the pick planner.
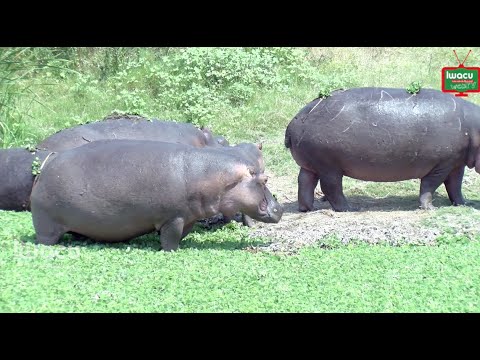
(16, 178)
(383, 134)
(115, 190)
(16, 164)
(131, 127)
(134, 127)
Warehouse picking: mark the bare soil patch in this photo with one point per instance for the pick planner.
(394, 220)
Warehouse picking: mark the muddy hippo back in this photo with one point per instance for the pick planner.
(382, 134)
(119, 189)
(135, 128)
(17, 178)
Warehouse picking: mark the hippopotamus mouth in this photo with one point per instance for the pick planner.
(263, 206)
(269, 210)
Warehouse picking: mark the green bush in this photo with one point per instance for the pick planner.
(201, 81)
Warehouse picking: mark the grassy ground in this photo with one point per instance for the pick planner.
(223, 271)
(214, 273)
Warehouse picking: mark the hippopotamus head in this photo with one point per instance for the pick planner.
(249, 194)
(250, 152)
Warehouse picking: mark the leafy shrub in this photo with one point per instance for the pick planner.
(199, 81)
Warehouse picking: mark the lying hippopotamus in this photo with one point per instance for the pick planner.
(115, 190)
(382, 134)
(16, 164)
(134, 128)
(17, 178)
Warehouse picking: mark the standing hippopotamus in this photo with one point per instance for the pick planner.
(16, 177)
(16, 164)
(115, 190)
(133, 128)
(382, 134)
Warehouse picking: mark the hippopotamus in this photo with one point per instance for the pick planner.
(17, 177)
(384, 134)
(115, 190)
(134, 128)
(16, 163)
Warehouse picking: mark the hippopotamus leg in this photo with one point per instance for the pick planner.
(171, 234)
(48, 231)
(430, 183)
(247, 220)
(331, 185)
(453, 184)
(187, 228)
(307, 182)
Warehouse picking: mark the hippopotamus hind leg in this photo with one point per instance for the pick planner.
(453, 184)
(331, 185)
(430, 183)
(307, 182)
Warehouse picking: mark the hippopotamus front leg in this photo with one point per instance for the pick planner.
(48, 232)
(453, 184)
(430, 183)
(187, 228)
(171, 233)
(307, 182)
(247, 220)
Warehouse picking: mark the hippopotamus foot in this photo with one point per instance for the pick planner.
(428, 207)
(171, 233)
(430, 183)
(48, 231)
(453, 185)
(307, 182)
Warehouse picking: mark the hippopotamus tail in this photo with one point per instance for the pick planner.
(288, 141)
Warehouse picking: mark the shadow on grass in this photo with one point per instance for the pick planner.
(199, 238)
(388, 203)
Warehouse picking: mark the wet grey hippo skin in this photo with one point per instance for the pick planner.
(250, 152)
(16, 164)
(133, 128)
(382, 134)
(16, 179)
(117, 190)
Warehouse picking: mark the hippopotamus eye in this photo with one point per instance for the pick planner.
(252, 172)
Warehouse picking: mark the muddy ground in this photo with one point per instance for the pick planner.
(392, 219)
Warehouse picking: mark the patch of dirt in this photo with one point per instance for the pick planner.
(393, 220)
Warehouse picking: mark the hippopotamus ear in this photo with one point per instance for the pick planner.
(208, 134)
(259, 145)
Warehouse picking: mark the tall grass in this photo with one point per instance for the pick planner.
(20, 74)
(242, 93)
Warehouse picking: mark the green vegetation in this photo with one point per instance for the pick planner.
(215, 272)
(414, 87)
(36, 166)
(245, 94)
